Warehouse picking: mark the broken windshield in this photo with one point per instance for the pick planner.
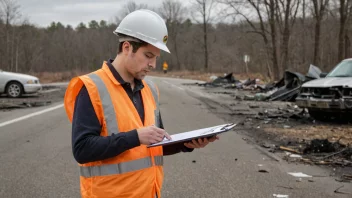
(343, 69)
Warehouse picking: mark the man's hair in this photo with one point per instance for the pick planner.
(135, 45)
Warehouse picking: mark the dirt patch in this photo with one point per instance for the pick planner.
(342, 134)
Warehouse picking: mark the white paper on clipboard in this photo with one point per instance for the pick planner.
(199, 133)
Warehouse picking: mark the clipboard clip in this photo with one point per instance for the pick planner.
(223, 128)
(230, 126)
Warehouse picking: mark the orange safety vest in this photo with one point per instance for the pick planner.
(137, 172)
(165, 66)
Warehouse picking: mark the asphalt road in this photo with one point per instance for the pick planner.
(36, 157)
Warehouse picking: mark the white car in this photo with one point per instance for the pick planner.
(329, 95)
(16, 84)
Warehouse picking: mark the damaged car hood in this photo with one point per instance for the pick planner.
(330, 82)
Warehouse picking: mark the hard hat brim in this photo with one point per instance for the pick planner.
(161, 47)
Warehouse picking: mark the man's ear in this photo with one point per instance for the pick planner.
(126, 47)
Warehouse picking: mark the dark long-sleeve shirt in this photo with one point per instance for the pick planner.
(89, 146)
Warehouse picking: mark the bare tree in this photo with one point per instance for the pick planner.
(10, 12)
(345, 12)
(270, 7)
(265, 12)
(287, 9)
(303, 23)
(173, 12)
(347, 31)
(319, 10)
(203, 10)
(129, 7)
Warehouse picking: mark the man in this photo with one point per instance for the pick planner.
(115, 115)
(165, 67)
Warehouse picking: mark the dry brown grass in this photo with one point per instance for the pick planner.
(343, 134)
(49, 77)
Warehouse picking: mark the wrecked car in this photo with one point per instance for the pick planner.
(330, 95)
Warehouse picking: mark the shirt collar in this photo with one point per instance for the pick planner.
(138, 83)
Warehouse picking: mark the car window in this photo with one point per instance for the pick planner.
(343, 69)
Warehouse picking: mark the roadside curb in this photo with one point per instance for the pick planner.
(267, 153)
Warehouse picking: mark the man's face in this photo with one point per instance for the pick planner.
(140, 63)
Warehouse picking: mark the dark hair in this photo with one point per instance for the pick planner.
(135, 45)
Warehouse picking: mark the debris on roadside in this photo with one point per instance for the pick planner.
(293, 155)
(263, 171)
(228, 80)
(321, 146)
(289, 149)
(268, 115)
(341, 192)
(4, 105)
(24, 104)
(286, 89)
(280, 196)
(345, 178)
(50, 94)
(299, 174)
(287, 187)
(320, 152)
(36, 103)
(265, 145)
(289, 86)
(348, 177)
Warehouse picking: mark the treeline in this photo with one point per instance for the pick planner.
(204, 35)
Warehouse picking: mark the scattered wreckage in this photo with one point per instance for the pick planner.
(287, 89)
(325, 95)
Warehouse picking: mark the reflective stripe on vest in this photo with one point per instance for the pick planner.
(156, 99)
(108, 108)
(124, 167)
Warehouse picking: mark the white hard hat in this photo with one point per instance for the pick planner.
(147, 26)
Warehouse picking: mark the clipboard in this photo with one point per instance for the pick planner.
(195, 134)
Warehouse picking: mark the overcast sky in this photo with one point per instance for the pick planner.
(43, 12)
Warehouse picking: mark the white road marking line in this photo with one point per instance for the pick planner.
(30, 115)
(173, 85)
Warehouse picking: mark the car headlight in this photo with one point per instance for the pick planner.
(31, 82)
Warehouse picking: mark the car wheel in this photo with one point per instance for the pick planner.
(14, 90)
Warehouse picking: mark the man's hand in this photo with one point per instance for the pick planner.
(151, 134)
(201, 142)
